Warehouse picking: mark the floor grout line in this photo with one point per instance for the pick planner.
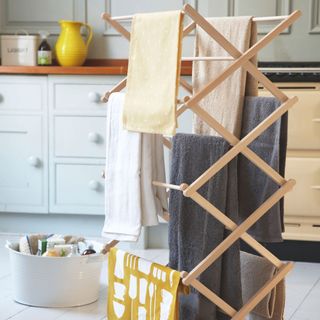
(304, 299)
(20, 311)
(5, 276)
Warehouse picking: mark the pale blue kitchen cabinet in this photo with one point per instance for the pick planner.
(23, 144)
(52, 143)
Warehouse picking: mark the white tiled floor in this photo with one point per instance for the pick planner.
(303, 294)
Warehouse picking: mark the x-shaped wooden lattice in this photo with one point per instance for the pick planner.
(239, 146)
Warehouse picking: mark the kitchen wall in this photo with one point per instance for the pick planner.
(301, 42)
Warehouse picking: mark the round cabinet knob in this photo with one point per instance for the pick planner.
(94, 185)
(93, 137)
(94, 97)
(34, 161)
(103, 174)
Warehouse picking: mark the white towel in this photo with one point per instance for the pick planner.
(133, 161)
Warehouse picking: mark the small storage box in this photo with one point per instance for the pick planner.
(55, 281)
(19, 50)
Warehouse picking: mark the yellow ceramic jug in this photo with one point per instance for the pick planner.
(71, 50)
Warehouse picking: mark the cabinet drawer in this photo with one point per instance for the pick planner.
(79, 188)
(79, 96)
(304, 119)
(79, 136)
(18, 93)
(23, 164)
(304, 199)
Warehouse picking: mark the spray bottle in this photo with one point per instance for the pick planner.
(44, 50)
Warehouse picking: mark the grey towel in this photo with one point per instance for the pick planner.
(194, 233)
(255, 272)
(254, 185)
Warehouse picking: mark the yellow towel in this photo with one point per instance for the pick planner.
(153, 73)
(140, 289)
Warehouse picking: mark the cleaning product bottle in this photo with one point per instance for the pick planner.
(42, 246)
(88, 251)
(74, 251)
(44, 50)
(51, 251)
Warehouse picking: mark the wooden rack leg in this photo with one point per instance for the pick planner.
(118, 87)
(167, 142)
(239, 147)
(188, 28)
(108, 246)
(214, 298)
(274, 175)
(186, 85)
(236, 234)
(230, 225)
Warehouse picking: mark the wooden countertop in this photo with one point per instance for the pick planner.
(91, 67)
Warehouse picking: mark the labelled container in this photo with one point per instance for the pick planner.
(19, 50)
(55, 281)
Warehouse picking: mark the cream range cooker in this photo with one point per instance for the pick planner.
(302, 205)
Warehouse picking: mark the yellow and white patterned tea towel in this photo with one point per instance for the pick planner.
(153, 73)
(141, 290)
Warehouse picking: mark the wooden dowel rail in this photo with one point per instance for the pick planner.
(166, 216)
(207, 59)
(117, 26)
(236, 233)
(167, 185)
(255, 19)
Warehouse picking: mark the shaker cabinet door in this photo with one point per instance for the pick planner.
(304, 199)
(304, 118)
(79, 189)
(23, 164)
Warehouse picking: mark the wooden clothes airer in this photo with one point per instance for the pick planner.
(238, 146)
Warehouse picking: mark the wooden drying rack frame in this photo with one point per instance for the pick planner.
(238, 146)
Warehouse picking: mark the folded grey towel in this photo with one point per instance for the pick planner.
(194, 233)
(255, 272)
(254, 185)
